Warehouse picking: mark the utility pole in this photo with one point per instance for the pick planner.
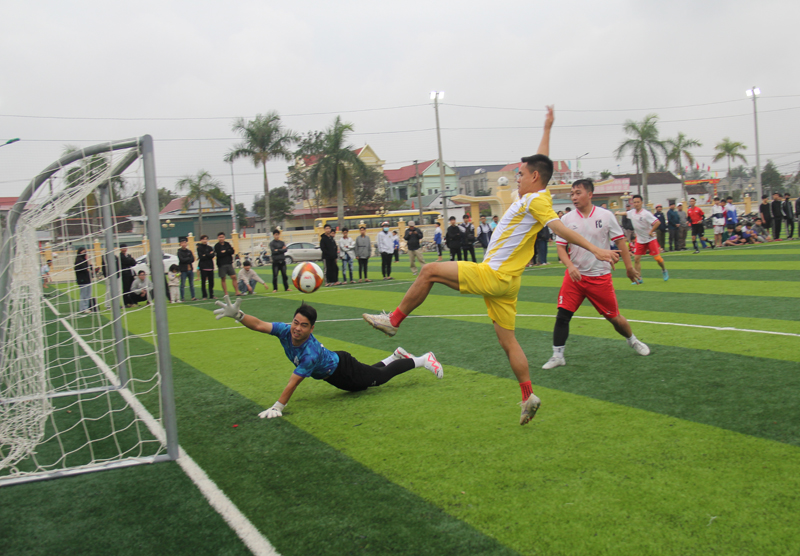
(419, 192)
(754, 92)
(435, 96)
(233, 202)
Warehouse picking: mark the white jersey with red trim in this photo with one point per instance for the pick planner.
(600, 228)
(642, 224)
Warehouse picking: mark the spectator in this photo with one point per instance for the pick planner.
(735, 238)
(561, 213)
(788, 215)
(83, 276)
(141, 290)
(248, 279)
(346, 253)
(673, 222)
(45, 270)
(766, 211)
(683, 227)
(412, 237)
(494, 222)
(224, 252)
(386, 249)
(760, 233)
(186, 265)
(468, 241)
(205, 265)
(484, 233)
(453, 239)
(329, 255)
(126, 264)
(277, 249)
(731, 217)
(396, 246)
(627, 225)
(174, 283)
(662, 229)
(797, 208)
(777, 216)
(363, 251)
(540, 247)
(437, 239)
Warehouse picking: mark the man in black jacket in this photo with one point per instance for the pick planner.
(224, 252)
(468, 231)
(453, 239)
(186, 266)
(412, 237)
(777, 216)
(329, 254)
(277, 250)
(205, 264)
(788, 215)
(126, 264)
(766, 212)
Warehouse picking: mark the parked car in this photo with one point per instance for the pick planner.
(141, 263)
(302, 251)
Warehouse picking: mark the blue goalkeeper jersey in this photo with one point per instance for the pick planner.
(310, 359)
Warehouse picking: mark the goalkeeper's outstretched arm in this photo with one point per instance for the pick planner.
(232, 310)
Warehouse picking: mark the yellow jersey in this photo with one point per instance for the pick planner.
(511, 246)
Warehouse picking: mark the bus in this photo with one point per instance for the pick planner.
(373, 221)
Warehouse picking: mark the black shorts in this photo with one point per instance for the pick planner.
(353, 376)
(698, 229)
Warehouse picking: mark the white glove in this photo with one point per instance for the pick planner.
(275, 411)
(227, 309)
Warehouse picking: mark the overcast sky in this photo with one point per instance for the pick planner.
(82, 72)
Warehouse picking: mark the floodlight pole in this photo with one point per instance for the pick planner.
(435, 96)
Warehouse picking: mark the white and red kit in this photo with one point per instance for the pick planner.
(600, 228)
(642, 224)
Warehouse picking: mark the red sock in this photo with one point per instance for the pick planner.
(527, 390)
(397, 317)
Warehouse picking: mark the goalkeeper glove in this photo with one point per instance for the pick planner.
(228, 309)
(275, 411)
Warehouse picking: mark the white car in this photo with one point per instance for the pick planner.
(302, 251)
(141, 263)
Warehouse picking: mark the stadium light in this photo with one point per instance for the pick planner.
(753, 93)
(436, 96)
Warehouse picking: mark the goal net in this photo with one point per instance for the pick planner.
(85, 368)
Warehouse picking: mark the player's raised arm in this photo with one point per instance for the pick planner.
(232, 310)
(544, 145)
(558, 227)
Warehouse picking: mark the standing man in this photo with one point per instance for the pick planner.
(437, 239)
(386, 249)
(498, 277)
(662, 229)
(413, 236)
(468, 232)
(346, 253)
(587, 277)
(788, 215)
(277, 254)
(777, 216)
(329, 254)
(484, 233)
(718, 220)
(205, 264)
(696, 216)
(396, 246)
(644, 226)
(453, 239)
(672, 226)
(363, 251)
(494, 222)
(683, 226)
(766, 211)
(126, 264)
(223, 251)
(186, 266)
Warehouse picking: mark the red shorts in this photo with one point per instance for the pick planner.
(598, 289)
(642, 248)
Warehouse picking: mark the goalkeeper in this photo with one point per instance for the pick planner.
(337, 368)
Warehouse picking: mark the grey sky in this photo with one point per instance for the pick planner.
(599, 63)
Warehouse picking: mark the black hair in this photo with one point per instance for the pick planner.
(671, 203)
(247, 263)
(692, 199)
(202, 237)
(729, 199)
(174, 268)
(141, 272)
(586, 183)
(276, 231)
(765, 196)
(716, 198)
(345, 230)
(308, 312)
(637, 196)
(326, 226)
(123, 245)
(221, 234)
(183, 238)
(540, 163)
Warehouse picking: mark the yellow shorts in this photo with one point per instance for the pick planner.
(499, 290)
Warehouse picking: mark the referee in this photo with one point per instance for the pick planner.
(696, 217)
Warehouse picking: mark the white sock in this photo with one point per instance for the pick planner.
(558, 351)
(420, 360)
(631, 340)
(388, 360)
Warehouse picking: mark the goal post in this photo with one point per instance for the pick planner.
(88, 389)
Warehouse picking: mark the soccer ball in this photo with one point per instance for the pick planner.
(502, 181)
(307, 277)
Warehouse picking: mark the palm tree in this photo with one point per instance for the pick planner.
(337, 165)
(678, 152)
(730, 149)
(263, 139)
(644, 147)
(199, 186)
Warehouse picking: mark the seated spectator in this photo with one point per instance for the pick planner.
(141, 290)
(248, 279)
(761, 234)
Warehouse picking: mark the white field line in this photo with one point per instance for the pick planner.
(242, 526)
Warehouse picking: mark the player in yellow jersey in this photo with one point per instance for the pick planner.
(497, 278)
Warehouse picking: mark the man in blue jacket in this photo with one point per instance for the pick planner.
(673, 221)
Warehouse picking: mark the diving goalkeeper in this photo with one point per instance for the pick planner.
(337, 368)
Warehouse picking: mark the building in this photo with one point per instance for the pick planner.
(478, 180)
(662, 187)
(178, 220)
(401, 184)
(436, 202)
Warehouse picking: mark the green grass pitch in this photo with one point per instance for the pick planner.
(694, 449)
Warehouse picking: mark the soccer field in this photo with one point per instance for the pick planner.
(694, 449)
